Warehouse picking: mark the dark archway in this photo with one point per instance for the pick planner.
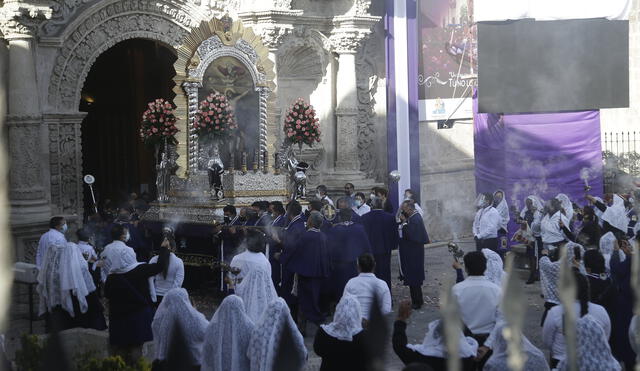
(120, 84)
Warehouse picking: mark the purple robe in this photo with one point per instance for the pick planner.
(382, 231)
(346, 242)
(289, 237)
(414, 237)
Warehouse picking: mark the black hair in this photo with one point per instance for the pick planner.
(594, 260)
(322, 188)
(382, 191)
(256, 204)
(345, 215)
(315, 205)
(294, 208)
(256, 240)
(264, 205)
(230, 209)
(350, 185)
(488, 198)
(582, 291)
(475, 263)
(377, 204)
(278, 207)
(344, 202)
(361, 195)
(55, 222)
(117, 231)
(83, 235)
(366, 262)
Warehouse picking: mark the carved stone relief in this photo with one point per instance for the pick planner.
(102, 30)
(26, 170)
(367, 84)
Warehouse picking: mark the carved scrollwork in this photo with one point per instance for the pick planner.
(102, 29)
(65, 163)
(26, 168)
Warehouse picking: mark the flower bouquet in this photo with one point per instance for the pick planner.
(301, 125)
(214, 118)
(158, 123)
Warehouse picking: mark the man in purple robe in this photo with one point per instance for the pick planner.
(346, 241)
(343, 203)
(382, 232)
(309, 261)
(288, 238)
(412, 240)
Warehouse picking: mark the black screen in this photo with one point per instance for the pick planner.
(549, 66)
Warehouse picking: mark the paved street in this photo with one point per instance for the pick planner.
(438, 262)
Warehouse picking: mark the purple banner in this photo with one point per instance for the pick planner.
(540, 154)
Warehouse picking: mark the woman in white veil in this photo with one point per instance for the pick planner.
(226, 338)
(64, 282)
(594, 353)
(494, 271)
(535, 360)
(175, 311)
(267, 337)
(500, 203)
(257, 291)
(567, 206)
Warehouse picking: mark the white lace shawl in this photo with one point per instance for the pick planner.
(347, 321)
(257, 292)
(616, 214)
(550, 273)
(111, 256)
(535, 360)
(567, 206)
(503, 209)
(434, 344)
(537, 203)
(64, 273)
(607, 242)
(226, 338)
(122, 259)
(594, 353)
(266, 336)
(176, 310)
(494, 271)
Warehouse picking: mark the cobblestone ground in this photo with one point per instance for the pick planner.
(438, 266)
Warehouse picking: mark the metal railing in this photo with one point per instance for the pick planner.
(621, 159)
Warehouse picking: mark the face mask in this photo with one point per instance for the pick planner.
(358, 203)
(64, 228)
(227, 220)
(372, 196)
(318, 195)
(127, 237)
(408, 196)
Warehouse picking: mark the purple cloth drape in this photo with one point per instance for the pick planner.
(541, 154)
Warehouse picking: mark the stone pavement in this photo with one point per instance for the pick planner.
(438, 262)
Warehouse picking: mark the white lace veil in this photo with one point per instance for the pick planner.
(503, 209)
(64, 273)
(537, 203)
(123, 260)
(111, 257)
(494, 272)
(267, 335)
(434, 344)
(176, 310)
(257, 292)
(226, 338)
(347, 321)
(567, 206)
(498, 361)
(594, 353)
(616, 214)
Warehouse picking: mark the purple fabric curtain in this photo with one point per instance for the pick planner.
(541, 154)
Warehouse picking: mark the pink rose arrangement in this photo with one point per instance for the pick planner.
(214, 117)
(158, 123)
(301, 125)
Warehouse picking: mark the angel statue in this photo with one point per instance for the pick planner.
(298, 170)
(163, 169)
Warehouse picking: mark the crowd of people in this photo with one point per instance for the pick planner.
(325, 272)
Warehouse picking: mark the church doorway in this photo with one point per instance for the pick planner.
(115, 94)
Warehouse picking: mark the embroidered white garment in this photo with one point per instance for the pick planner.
(176, 310)
(263, 346)
(567, 206)
(434, 344)
(616, 214)
(494, 271)
(64, 273)
(498, 361)
(503, 209)
(226, 338)
(87, 250)
(51, 237)
(550, 273)
(594, 353)
(347, 321)
(111, 256)
(257, 292)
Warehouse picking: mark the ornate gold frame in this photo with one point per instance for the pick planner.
(231, 34)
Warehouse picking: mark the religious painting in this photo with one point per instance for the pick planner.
(229, 76)
(448, 59)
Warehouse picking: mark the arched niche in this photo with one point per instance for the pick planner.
(215, 43)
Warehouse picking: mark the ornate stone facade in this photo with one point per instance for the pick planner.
(305, 40)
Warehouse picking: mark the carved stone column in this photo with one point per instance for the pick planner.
(346, 45)
(27, 145)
